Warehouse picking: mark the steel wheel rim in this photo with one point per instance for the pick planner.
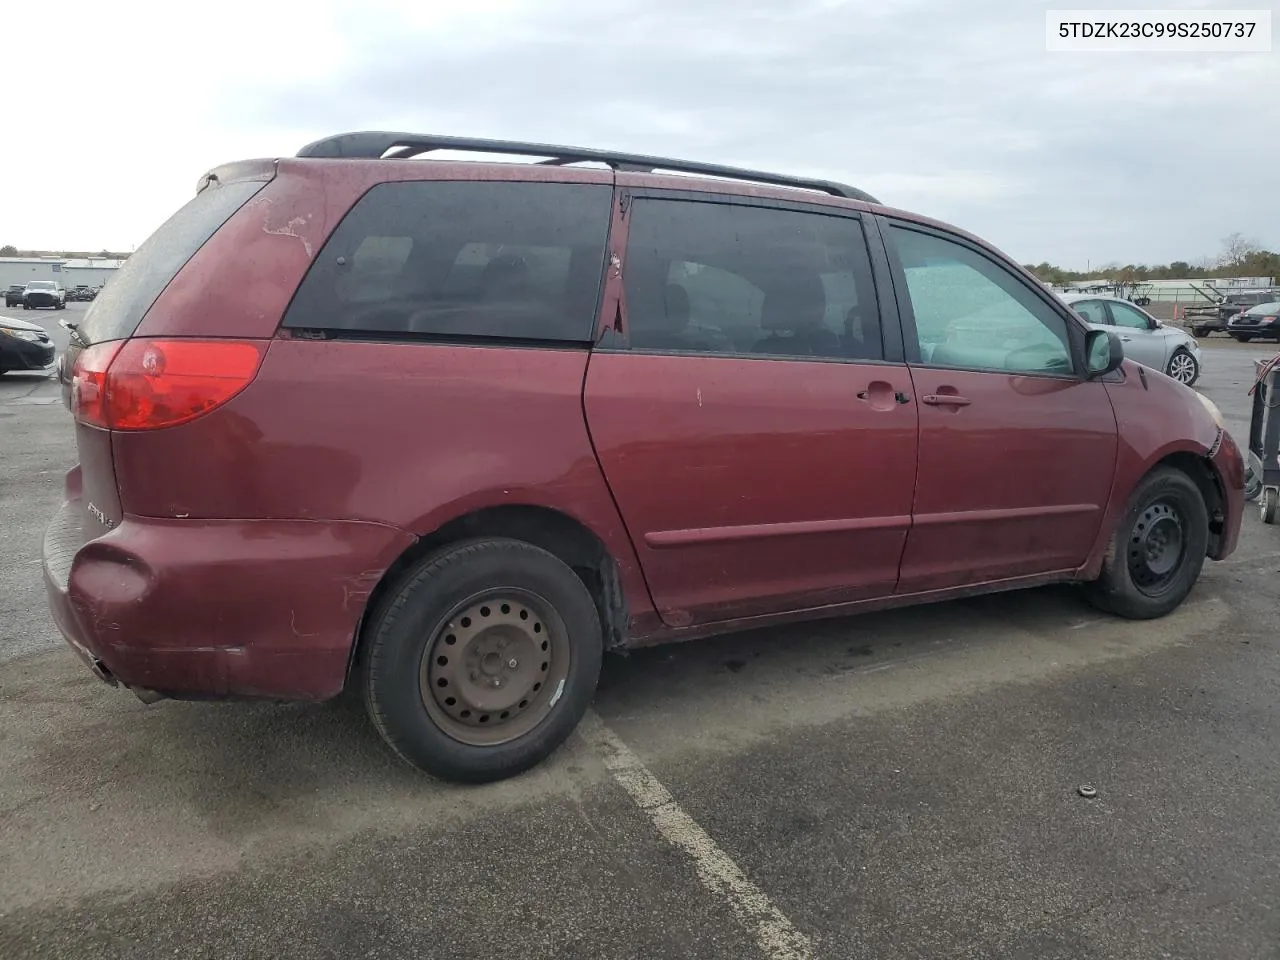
(1182, 368)
(466, 678)
(1157, 547)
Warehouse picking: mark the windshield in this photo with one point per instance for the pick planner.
(42, 285)
(1265, 309)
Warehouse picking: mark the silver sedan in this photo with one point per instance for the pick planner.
(1146, 340)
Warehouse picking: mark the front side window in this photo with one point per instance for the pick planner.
(1126, 316)
(749, 281)
(463, 259)
(972, 313)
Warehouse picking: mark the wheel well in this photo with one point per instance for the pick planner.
(1204, 476)
(553, 531)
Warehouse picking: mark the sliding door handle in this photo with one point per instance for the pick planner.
(944, 400)
(898, 396)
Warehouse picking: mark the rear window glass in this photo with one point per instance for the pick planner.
(123, 302)
(462, 259)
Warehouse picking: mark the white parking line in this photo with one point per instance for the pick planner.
(773, 931)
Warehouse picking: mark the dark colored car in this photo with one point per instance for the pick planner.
(81, 293)
(1230, 305)
(446, 431)
(23, 346)
(1261, 323)
(1235, 303)
(13, 294)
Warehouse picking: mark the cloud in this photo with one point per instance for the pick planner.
(953, 109)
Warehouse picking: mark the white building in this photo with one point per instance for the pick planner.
(89, 271)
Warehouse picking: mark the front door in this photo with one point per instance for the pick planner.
(1143, 340)
(1017, 450)
(761, 449)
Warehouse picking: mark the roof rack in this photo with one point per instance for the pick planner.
(375, 144)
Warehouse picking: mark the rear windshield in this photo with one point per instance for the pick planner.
(462, 260)
(123, 302)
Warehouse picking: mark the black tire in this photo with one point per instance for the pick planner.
(1177, 360)
(410, 625)
(1127, 586)
(1252, 480)
(1268, 505)
(1242, 338)
(1199, 332)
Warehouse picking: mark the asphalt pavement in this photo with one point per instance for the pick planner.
(903, 784)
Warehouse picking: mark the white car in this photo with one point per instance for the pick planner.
(44, 293)
(1146, 340)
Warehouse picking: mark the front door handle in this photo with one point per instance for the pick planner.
(944, 400)
(1126, 339)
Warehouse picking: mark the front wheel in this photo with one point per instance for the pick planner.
(483, 660)
(1241, 338)
(1183, 367)
(1156, 551)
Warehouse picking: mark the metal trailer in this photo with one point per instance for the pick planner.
(1262, 475)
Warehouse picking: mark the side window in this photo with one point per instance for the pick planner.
(746, 280)
(1093, 312)
(465, 259)
(1126, 316)
(972, 313)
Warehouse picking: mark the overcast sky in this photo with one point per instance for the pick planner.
(949, 107)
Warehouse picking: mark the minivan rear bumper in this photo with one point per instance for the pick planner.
(216, 608)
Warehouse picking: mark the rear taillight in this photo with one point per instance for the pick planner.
(89, 383)
(143, 384)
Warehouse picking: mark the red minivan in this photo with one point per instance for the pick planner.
(446, 431)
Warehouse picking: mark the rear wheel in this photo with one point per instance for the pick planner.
(1156, 551)
(483, 660)
(1243, 338)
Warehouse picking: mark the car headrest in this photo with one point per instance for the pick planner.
(798, 303)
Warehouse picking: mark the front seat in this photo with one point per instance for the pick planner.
(794, 316)
(667, 326)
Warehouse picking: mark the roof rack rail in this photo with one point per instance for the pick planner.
(375, 144)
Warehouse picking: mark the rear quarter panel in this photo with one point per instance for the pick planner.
(407, 434)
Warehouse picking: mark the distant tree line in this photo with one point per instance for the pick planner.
(9, 250)
(1240, 257)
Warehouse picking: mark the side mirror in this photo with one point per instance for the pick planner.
(1103, 352)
